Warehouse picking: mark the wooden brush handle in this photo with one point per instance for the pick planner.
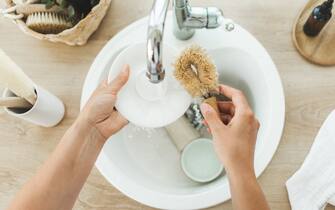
(15, 102)
(212, 101)
(12, 76)
(28, 9)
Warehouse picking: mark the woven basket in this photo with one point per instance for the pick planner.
(77, 35)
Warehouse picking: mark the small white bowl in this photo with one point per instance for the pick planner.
(143, 103)
(199, 161)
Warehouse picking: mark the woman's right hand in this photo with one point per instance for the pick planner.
(234, 131)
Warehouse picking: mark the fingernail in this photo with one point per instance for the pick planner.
(205, 108)
(125, 69)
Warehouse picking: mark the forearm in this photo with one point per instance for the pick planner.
(246, 192)
(59, 181)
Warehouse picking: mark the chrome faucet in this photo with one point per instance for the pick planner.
(185, 20)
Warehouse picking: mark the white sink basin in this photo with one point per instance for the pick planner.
(144, 164)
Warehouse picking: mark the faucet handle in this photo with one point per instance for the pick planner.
(214, 17)
(187, 19)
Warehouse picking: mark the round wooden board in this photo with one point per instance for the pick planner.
(321, 49)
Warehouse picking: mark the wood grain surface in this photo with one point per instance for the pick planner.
(319, 49)
(309, 89)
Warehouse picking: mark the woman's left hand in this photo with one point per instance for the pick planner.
(100, 112)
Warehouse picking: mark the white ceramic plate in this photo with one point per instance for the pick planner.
(143, 103)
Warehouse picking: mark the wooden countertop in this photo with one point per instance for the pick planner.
(309, 90)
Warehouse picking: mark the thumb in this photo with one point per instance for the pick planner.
(120, 80)
(212, 118)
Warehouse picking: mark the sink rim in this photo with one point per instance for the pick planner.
(157, 199)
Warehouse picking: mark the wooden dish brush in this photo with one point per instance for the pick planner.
(48, 22)
(196, 71)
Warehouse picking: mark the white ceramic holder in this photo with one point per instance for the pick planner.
(47, 111)
(143, 103)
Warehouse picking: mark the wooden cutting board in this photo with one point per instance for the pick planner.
(321, 49)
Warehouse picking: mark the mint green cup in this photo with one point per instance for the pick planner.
(200, 162)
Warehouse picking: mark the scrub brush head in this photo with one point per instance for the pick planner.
(48, 22)
(196, 71)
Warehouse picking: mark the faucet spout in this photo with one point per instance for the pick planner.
(186, 20)
(155, 70)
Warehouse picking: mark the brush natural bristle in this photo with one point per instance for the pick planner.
(48, 22)
(196, 71)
